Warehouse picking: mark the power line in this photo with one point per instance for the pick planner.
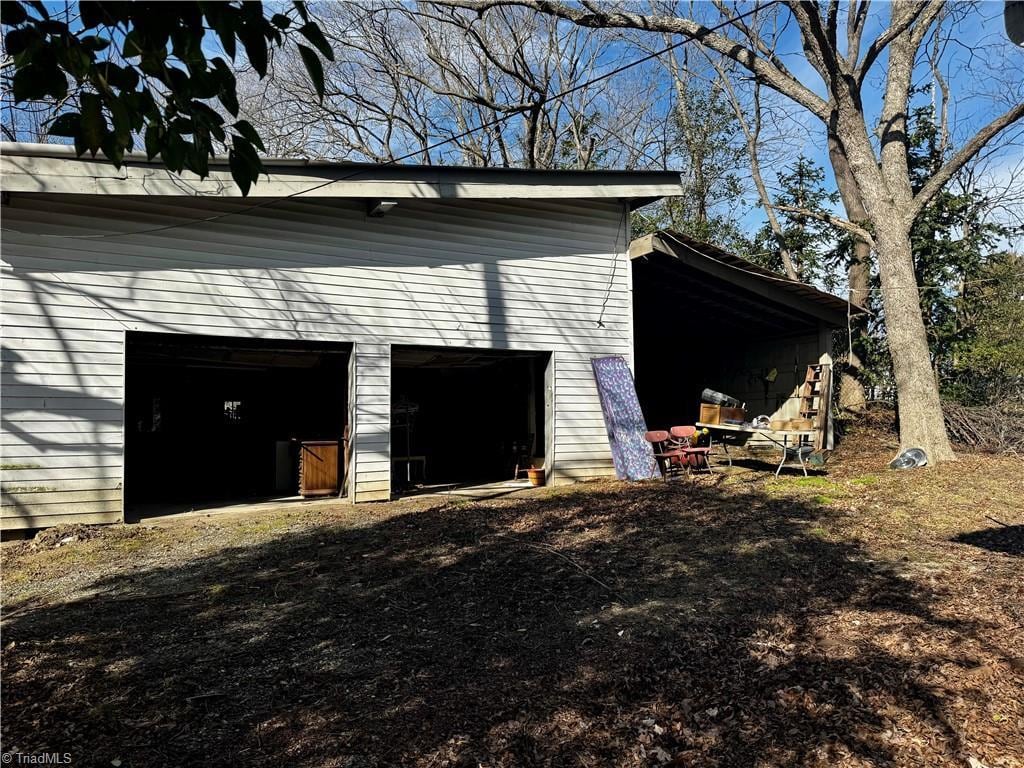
(430, 147)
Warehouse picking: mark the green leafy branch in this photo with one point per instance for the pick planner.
(140, 70)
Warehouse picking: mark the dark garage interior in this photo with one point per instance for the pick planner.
(702, 317)
(216, 419)
(463, 417)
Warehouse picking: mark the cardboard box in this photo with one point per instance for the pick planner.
(710, 413)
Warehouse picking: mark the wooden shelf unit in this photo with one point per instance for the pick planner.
(815, 397)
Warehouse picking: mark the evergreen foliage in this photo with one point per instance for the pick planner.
(817, 248)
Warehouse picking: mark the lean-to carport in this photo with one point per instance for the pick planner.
(704, 317)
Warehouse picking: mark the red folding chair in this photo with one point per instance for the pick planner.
(671, 460)
(696, 457)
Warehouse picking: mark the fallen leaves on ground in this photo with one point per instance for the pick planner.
(862, 618)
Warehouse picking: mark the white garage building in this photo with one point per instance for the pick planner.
(165, 338)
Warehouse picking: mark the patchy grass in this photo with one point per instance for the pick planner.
(814, 481)
(865, 480)
(858, 617)
(260, 528)
(789, 484)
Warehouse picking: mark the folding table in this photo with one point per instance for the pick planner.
(790, 441)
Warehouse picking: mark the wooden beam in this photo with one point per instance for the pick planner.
(653, 276)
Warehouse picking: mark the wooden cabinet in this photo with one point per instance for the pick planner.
(318, 468)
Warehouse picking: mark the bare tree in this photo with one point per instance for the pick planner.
(750, 119)
(410, 76)
(869, 159)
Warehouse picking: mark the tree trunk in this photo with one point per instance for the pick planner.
(921, 420)
(852, 396)
(884, 189)
(851, 387)
(887, 196)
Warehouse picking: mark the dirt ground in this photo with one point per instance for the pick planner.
(858, 617)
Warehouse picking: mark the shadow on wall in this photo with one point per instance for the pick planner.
(307, 233)
(103, 413)
(530, 632)
(35, 454)
(321, 269)
(432, 272)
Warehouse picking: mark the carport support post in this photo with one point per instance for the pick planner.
(369, 375)
(825, 348)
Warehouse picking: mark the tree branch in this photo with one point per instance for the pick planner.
(832, 25)
(960, 158)
(752, 134)
(934, 61)
(816, 39)
(857, 13)
(881, 42)
(828, 218)
(748, 31)
(769, 73)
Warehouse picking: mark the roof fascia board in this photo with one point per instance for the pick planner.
(63, 175)
(752, 282)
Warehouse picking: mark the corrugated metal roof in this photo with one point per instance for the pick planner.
(682, 247)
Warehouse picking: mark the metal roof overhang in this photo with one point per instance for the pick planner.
(49, 168)
(729, 290)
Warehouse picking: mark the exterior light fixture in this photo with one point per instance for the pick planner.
(378, 208)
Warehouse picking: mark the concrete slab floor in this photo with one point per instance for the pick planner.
(160, 514)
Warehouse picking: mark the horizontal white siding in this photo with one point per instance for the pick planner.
(371, 422)
(545, 276)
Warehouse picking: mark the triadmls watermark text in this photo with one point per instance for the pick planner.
(36, 758)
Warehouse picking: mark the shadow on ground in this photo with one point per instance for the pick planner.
(1008, 539)
(633, 626)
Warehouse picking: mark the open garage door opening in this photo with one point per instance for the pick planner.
(212, 419)
(467, 417)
